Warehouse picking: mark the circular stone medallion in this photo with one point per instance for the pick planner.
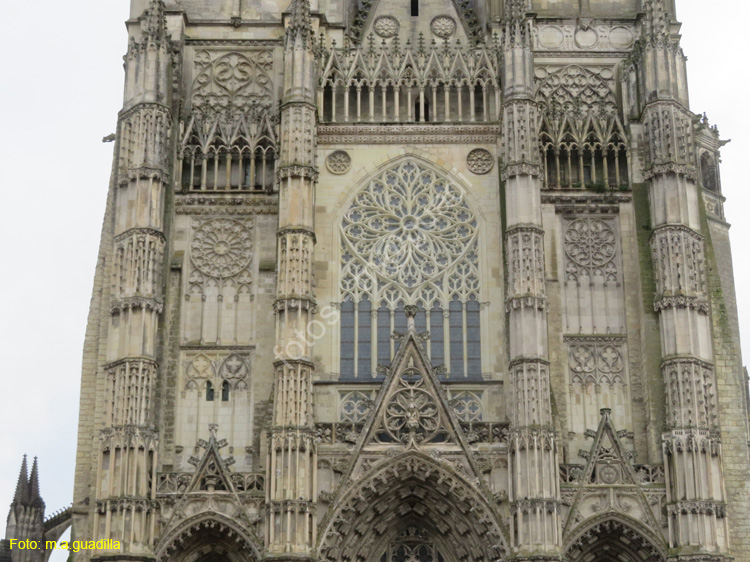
(480, 161)
(339, 162)
(222, 248)
(443, 26)
(386, 26)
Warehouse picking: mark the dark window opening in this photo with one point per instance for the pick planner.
(209, 392)
(418, 115)
(414, 8)
(225, 391)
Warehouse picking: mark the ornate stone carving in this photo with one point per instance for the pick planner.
(443, 26)
(409, 235)
(363, 133)
(467, 405)
(480, 161)
(386, 26)
(691, 393)
(677, 253)
(216, 367)
(412, 415)
(355, 406)
(590, 249)
(232, 82)
(222, 247)
(339, 162)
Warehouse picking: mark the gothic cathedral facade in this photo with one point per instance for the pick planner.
(412, 281)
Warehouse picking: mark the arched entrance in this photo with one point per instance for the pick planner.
(207, 538)
(614, 540)
(412, 508)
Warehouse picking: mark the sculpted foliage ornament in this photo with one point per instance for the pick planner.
(222, 248)
(386, 26)
(443, 26)
(480, 161)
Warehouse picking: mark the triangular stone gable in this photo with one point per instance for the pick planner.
(211, 470)
(412, 412)
(608, 482)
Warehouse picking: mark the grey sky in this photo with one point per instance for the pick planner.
(60, 93)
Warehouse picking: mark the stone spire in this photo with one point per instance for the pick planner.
(34, 497)
(22, 487)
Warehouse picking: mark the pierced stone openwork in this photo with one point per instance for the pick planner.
(582, 135)
(409, 238)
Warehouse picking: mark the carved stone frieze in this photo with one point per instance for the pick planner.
(363, 133)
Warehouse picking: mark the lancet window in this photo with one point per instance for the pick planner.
(411, 84)
(409, 238)
(582, 137)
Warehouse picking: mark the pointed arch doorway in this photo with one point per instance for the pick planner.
(613, 540)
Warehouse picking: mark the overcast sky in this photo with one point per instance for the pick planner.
(59, 95)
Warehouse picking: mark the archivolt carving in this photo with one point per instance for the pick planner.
(209, 532)
(409, 235)
(630, 540)
(412, 487)
(232, 82)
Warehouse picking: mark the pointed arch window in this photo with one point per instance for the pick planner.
(409, 238)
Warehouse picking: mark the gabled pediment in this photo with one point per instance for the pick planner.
(609, 483)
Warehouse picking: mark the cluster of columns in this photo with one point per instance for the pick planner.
(291, 494)
(536, 532)
(127, 459)
(691, 445)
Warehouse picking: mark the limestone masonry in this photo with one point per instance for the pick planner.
(408, 281)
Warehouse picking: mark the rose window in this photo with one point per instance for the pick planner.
(410, 238)
(222, 248)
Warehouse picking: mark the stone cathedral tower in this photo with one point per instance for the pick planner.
(412, 281)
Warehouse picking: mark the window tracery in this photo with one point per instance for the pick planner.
(412, 545)
(229, 142)
(582, 137)
(409, 238)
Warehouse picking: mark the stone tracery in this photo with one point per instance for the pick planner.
(410, 238)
